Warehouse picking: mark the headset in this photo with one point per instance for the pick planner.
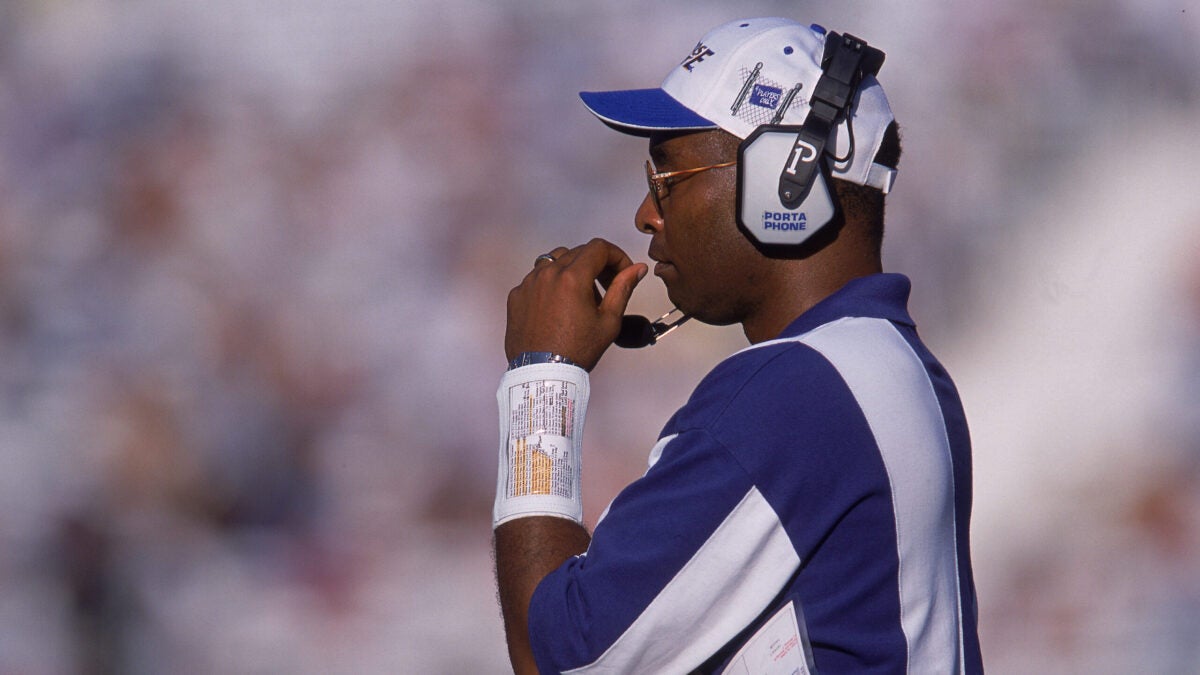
(783, 171)
(783, 193)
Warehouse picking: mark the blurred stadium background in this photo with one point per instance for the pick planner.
(253, 263)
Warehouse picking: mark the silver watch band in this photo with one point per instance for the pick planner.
(530, 358)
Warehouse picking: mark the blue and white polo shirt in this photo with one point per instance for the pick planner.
(806, 510)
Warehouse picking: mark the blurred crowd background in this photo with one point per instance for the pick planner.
(253, 265)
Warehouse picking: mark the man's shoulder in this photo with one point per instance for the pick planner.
(800, 371)
(754, 377)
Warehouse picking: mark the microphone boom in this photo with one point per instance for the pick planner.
(638, 331)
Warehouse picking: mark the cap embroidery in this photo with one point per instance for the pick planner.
(769, 99)
(696, 56)
(787, 103)
(741, 97)
(766, 97)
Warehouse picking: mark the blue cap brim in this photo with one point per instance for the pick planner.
(641, 112)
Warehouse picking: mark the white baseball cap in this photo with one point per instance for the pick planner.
(747, 73)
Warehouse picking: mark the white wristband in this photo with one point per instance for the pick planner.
(542, 409)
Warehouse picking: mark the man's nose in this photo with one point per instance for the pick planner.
(648, 220)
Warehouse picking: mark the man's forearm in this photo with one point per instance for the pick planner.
(527, 549)
(554, 312)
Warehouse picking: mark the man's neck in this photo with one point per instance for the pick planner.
(804, 284)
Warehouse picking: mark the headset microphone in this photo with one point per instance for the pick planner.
(638, 331)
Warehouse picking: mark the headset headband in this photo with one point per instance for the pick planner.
(845, 62)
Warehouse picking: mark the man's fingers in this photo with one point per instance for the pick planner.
(621, 289)
(596, 261)
(599, 259)
(559, 306)
(606, 262)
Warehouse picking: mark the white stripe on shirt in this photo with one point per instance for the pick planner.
(742, 566)
(891, 386)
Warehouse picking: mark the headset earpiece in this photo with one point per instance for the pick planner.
(782, 191)
(783, 195)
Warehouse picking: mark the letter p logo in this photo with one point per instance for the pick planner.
(801, 152)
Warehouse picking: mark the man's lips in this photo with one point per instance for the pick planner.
(661, 263)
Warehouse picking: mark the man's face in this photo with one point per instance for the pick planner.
(709, 268)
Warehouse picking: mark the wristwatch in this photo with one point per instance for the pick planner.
(530, 358)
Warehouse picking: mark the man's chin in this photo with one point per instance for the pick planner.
(698, 310)
(674, 296)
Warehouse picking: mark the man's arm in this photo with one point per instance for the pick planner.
(556, 309)
(527, 549)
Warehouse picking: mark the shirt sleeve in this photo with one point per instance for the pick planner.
(685, 558)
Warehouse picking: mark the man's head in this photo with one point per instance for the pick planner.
(748, 75)
(755, 75)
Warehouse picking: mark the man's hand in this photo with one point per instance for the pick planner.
(558, 309)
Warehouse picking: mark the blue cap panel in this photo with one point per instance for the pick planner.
(641, 112)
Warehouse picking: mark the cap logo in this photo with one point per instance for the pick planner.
(696, 56)
(769, 100)
(765, 97)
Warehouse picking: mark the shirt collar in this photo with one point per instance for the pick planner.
(882, 296)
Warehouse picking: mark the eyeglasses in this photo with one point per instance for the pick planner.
(660, 183)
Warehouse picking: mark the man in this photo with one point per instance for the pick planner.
(808, 508)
